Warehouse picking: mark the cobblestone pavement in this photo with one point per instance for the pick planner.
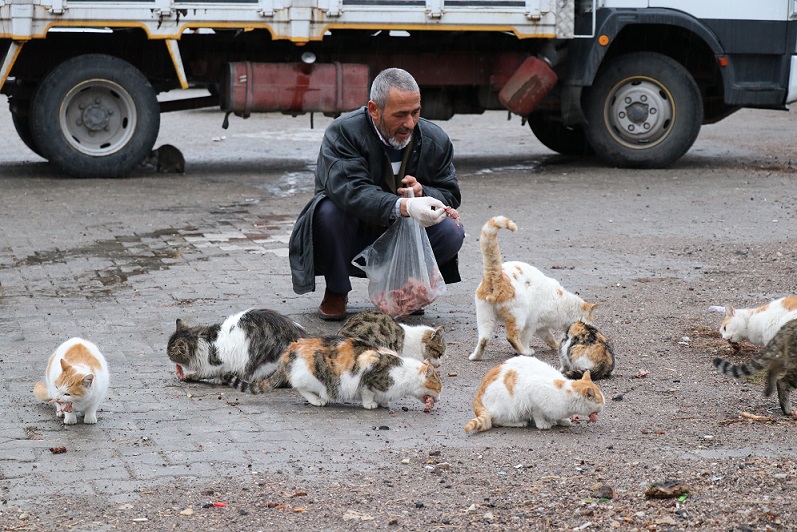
(119, 261)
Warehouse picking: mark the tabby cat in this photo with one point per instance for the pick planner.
(779, 358)
(338, 369)
(76, 380)
(415, 341)
(247, 345)
(526, 388)
(522, 297)
(585, 349)
(758, 325)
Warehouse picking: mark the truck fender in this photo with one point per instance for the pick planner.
(586, 55)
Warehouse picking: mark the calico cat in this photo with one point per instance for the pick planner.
(522, 297)
(76, 380)
(526, 388)
(338, 369)
(758, 325)
(415, 341)
(247, 345)
(779, 358)
(585, 349)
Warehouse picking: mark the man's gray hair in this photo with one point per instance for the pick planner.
(391, 78)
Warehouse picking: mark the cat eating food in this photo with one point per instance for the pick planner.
(585, 349)
(76, 381)
(757, 325)
(415, 341)
(779, 359)
(337, 369)
(246, 345)
(522, 297)
(524, 389)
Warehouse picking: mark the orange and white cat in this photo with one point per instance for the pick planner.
(758, 325)
(522, 297)
(76, 381)
(524, 389)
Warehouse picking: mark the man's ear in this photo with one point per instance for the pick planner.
(373, 110)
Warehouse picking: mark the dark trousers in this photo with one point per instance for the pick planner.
(339, 237)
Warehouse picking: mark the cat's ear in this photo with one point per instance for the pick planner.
(438, 332)
(180, 325)
(88, 380)
(65, 365)
(729, 311)
(586, 376)
(589, 393)
(591, 311)
(429, 368)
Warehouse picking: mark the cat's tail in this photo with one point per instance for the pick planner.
(738, 371)
(491, 253)
(483, 420)
(40, 391)
(278, 379)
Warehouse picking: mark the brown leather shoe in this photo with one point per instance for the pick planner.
(333, 306)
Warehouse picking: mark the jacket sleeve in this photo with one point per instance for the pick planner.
(346, 173)
(435, 169)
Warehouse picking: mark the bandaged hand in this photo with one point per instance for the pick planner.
(426, 210)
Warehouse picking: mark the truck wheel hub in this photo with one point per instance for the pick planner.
(95, 118)
(640, 112)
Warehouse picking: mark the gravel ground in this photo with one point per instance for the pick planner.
(655, 249)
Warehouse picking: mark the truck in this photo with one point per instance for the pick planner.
(630, 81)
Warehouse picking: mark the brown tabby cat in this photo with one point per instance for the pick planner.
(338, 369)
(779, 358)
(585, 349)
(415, 341)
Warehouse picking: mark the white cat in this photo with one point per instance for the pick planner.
(520, 295)
(526, 388)
(758, 325)
(76, 381)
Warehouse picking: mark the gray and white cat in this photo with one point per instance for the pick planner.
(586, 349)
(779, 359)
(415, 341)
(522, 297)
(525, 389)
(336, 369)
(246, 345)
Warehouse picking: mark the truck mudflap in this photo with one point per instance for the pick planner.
(293, 87)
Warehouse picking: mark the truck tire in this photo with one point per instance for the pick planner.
(21, 119)
(95, 116)
(644, 110)
(555, 136)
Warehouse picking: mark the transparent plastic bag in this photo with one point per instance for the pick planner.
(402, 272)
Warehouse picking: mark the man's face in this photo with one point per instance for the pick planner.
(398, 119)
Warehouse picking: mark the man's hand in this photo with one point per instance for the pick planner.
(410, 182)
(428, 211)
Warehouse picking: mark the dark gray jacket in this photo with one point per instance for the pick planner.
(353, 170)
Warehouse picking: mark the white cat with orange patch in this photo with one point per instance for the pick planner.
(524, 389)
(758, 325)
(522, 297)
(76, 381)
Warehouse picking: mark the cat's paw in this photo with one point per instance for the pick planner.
(370, 405)
(70, 419)
(90, 419)
(476, 355)
(565, 422)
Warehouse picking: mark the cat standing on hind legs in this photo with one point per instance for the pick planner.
(76, 380)
(779, 359)
(528, 302)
